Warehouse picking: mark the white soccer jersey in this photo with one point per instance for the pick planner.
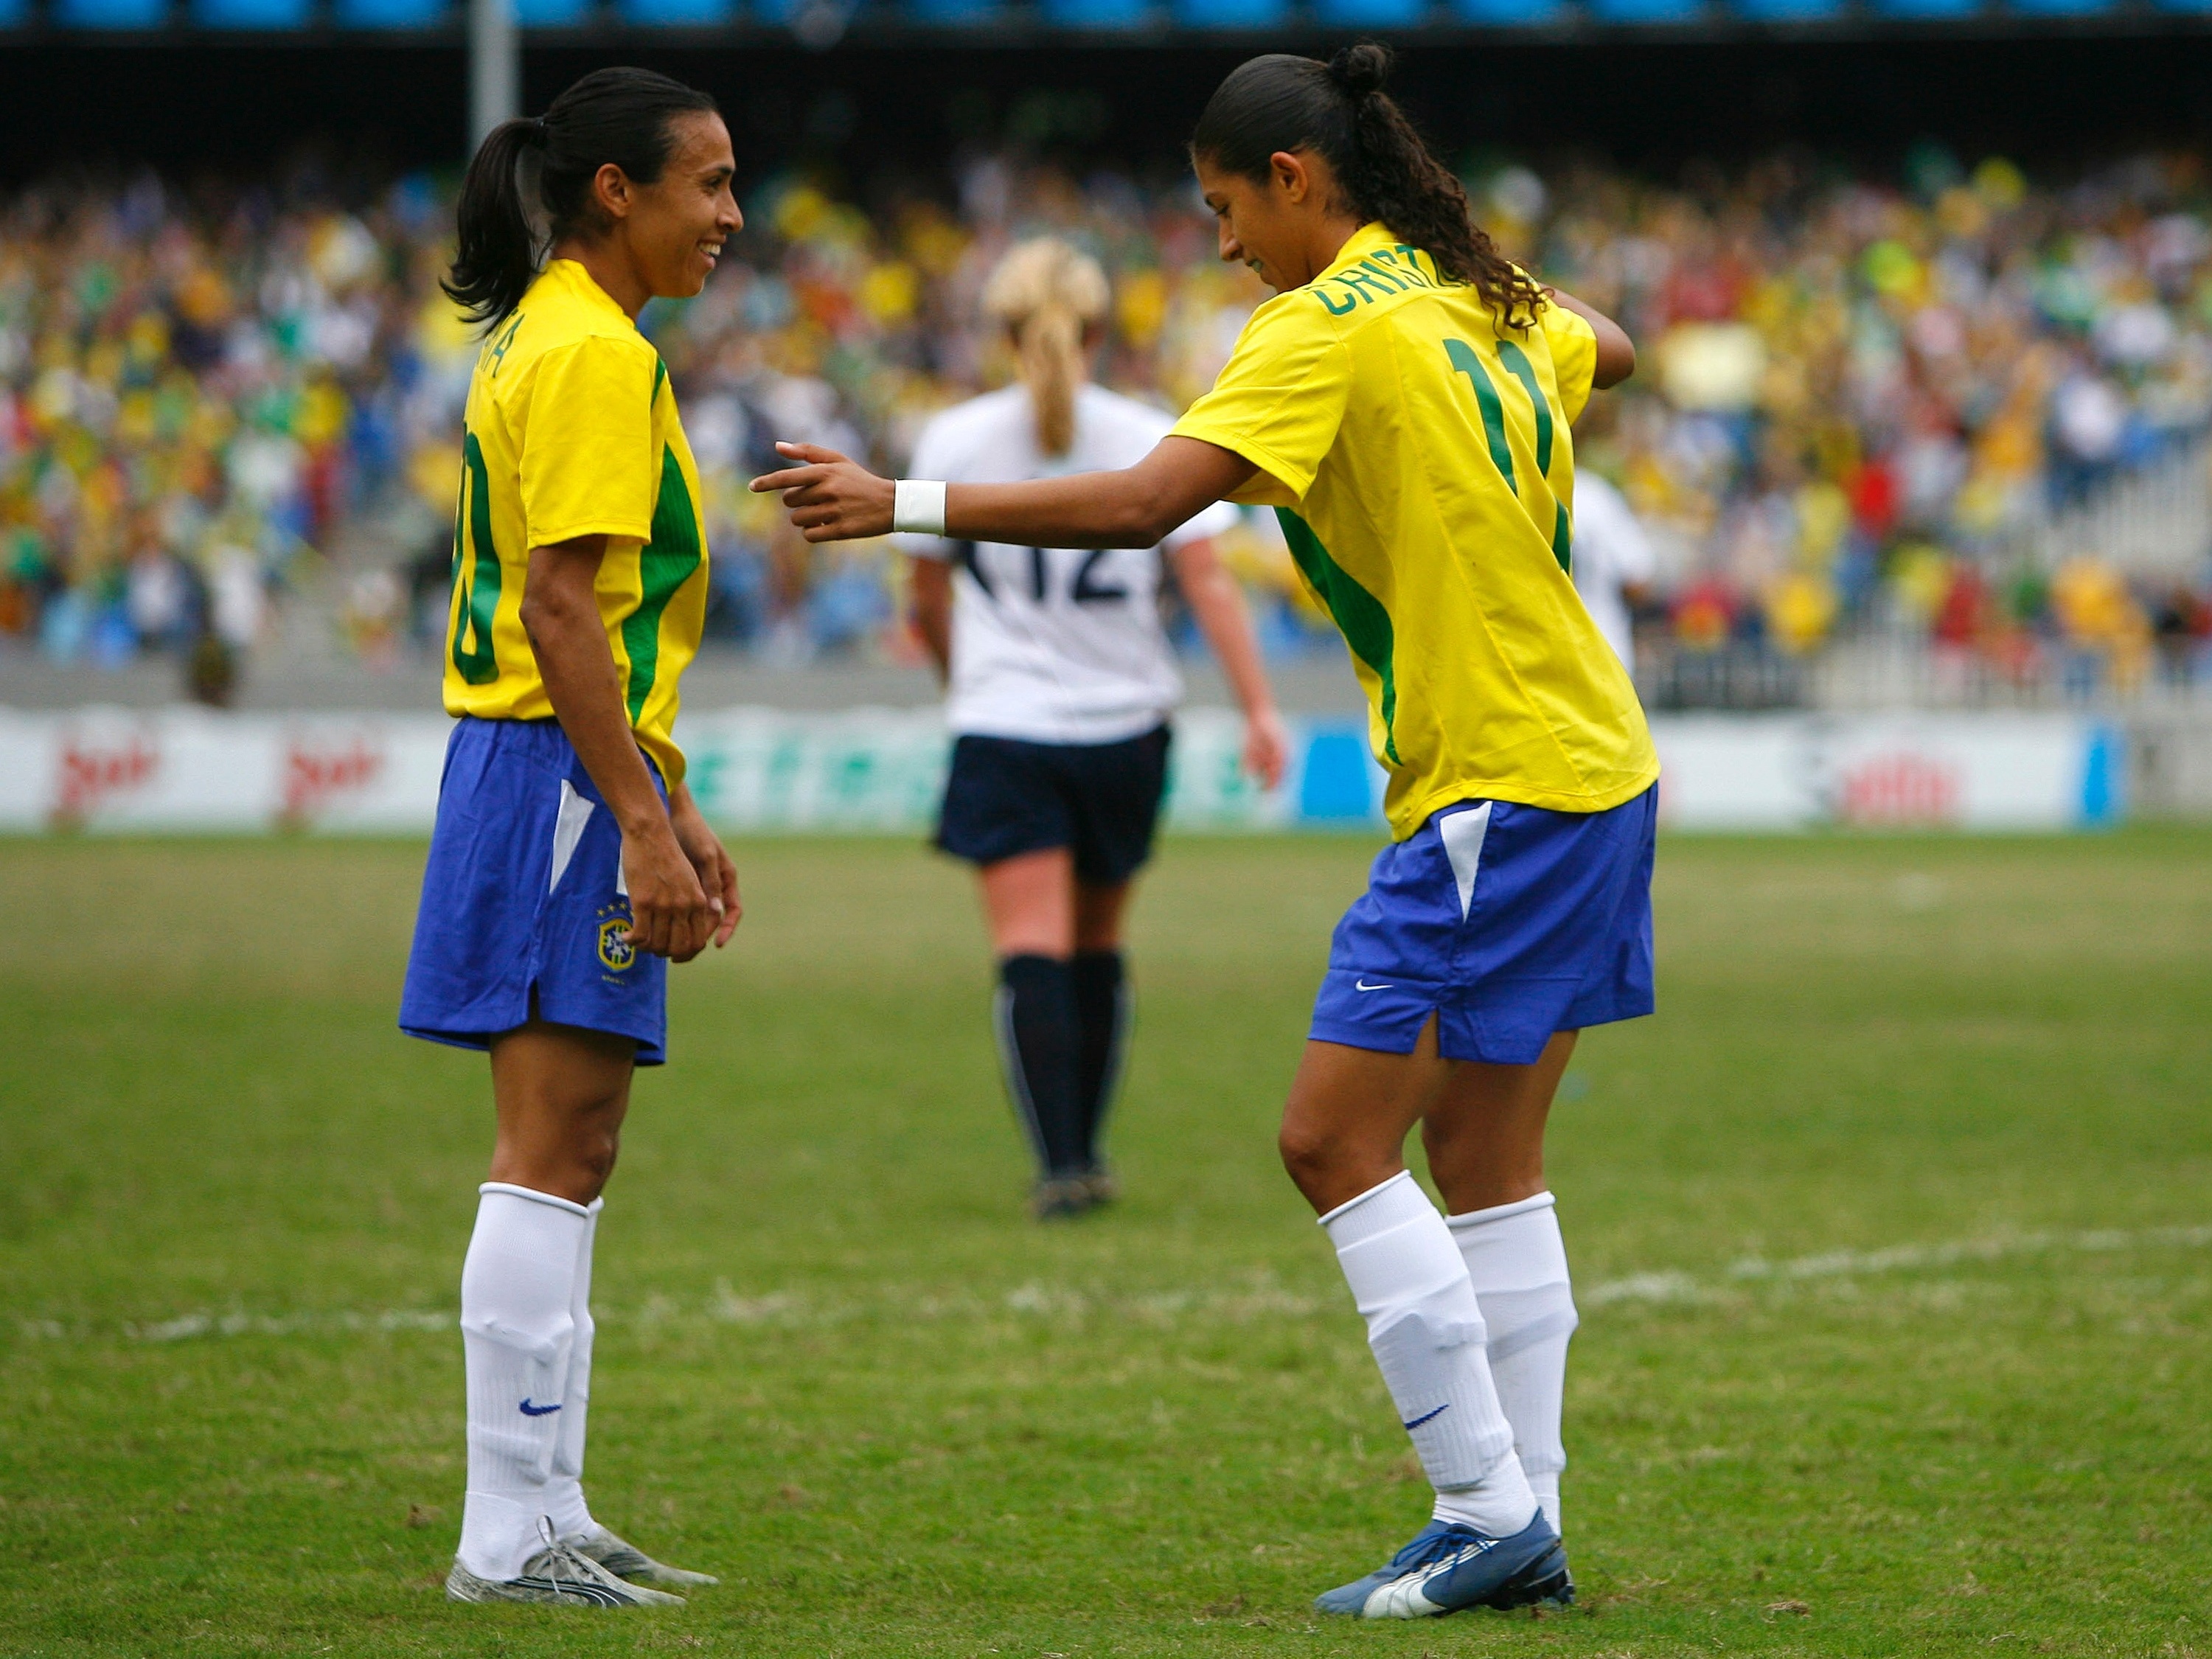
(1612, 551)
(1053, 644)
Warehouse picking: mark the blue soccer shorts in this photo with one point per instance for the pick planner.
(524, 895)
(1506, 922)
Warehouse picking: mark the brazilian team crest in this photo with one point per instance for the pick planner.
(614, 950)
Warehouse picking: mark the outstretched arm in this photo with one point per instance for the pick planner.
(832, 499)
(1616, 352)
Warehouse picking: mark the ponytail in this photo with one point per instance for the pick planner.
(1045, 292)
(1384, 170)
(622, 116)
(498, 254)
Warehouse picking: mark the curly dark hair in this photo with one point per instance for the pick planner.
(1385, 171)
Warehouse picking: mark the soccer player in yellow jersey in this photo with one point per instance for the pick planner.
(569, 865)
(1404, 403)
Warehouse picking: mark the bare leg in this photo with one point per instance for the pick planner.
(1098, 912)
(562, 1093)
(1484, 1133)
(1345, 1126)
(1028, 904)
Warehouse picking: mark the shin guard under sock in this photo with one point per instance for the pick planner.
(1101, 1010)
(1427, 1335)
(1039, 1045)
(564, 1492)
(1518, 1266)
(518, 1334)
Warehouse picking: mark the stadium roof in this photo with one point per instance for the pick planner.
(822, 23)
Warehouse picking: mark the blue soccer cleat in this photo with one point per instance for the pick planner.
(1449, 1565)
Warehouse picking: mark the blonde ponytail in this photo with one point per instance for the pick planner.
(1047, 292)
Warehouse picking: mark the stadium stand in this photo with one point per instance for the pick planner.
(1951, 408)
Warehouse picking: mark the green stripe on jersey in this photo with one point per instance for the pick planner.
(664, 564)
(1359, 613)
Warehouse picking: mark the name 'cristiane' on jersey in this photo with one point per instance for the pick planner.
(1416, 449)
(572, 430)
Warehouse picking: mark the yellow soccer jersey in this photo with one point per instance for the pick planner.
(1418, 454)
(572, 431)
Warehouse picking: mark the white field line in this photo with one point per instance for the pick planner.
(1898, 1258)
(1226, 1306)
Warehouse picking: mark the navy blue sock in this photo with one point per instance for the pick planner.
(1101, 1008)
(1040, 1044)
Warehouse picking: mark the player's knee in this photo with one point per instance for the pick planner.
(1312, 1155)
(595, 1160)
(1300, 1151)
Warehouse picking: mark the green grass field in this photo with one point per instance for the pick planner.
(1893, 1234)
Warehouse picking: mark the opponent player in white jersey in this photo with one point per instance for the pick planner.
(1614, 561)
(1060, 683)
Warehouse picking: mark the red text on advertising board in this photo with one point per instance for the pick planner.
(94, 772)
(1901, 788)
(315, 775)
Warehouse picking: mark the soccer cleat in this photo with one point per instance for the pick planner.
(1449, 1565)
(1062, 1200)
(1101, 1186)
(626, 1560)
(558, 1576)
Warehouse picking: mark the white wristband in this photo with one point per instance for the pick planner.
(918, 506)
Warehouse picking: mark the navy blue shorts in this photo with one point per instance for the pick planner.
(524, 893)
(1506, 922)
(1101, 800)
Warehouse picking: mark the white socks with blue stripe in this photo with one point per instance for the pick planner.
(1425, 1328)
(1518, 1266)
(519, 1328)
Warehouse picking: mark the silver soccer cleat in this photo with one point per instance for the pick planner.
(627, 1561)
(560, 1575)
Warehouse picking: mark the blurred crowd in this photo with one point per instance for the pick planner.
(196, 396)
(1859, 399)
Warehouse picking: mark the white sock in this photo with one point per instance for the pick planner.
(1518, 1266)
(564, 1492)
(1426, 1329)
(517, 1332)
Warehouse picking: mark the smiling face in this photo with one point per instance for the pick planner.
(675, 226)
(1286, 226)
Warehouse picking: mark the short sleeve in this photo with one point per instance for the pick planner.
(587, 461)
(1574, 356)
(1219, 519)
(1279, 400)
